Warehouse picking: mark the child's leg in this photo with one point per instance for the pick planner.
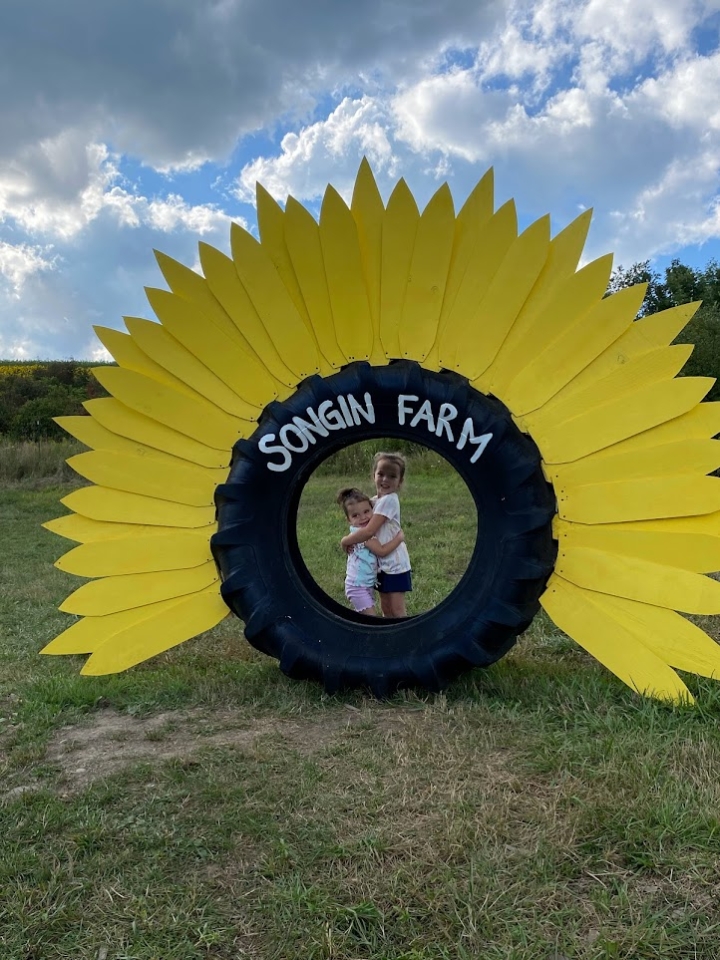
(393, 604)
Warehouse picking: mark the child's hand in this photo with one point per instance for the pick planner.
(347, 547)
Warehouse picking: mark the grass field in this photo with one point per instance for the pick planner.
(203, 806)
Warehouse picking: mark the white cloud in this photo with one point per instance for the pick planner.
(20, 261)
(326, 151)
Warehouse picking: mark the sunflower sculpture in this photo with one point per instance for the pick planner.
(587, 456)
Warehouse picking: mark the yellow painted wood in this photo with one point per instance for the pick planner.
(129, 355)
(88, 431)
(584, 616)
(398, 241)
(158, 343)
(195, 289)
(600, 427)
(673, 638)
(273, 304)
(698, 552)
(271, 224)
(369, 212)
(681, 457)
(119, 419)
(177, 550)
(429, 267)
(101, 597)
(469, 227)
(302, 235)
(646, 499)
(102, 503)
(660, 364)
(701, 422)
(492, 245)
(558, 362)
(225, 285)
(561, 263)
(506, 293)
(236, 368)
(84, 530)
(638, 579)
(89, 633)
(201, 421)
(708, 525)
(178, 482)
(352, 317)
(159, 632)
(571, 300)
(641, 337)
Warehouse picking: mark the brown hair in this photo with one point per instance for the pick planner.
(351, 495)
(397, 458)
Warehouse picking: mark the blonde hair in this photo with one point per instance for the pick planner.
(350, 495)
(397, 458)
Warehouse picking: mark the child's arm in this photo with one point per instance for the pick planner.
(364, 533)
(383, 549)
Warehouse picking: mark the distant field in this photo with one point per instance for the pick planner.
(204, 806)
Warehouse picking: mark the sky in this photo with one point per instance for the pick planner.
(145, 125)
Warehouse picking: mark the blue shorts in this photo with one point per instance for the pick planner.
(394, 582)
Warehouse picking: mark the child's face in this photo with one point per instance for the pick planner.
(387, 478)
(359, 514)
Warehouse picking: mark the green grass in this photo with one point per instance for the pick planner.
(203, 806)
(439, 520)
(33, 464)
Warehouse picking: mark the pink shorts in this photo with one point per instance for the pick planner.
(361, 598)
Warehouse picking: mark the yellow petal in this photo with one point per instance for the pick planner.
(646, 499)
(492, 243)
(570, 301)
(398, 240)
(160, 631)
(695, 551)
(169, 353)
(681, 457)
(673, 638)
(225, 285)
(100, 597)
(428, 275)
(89, 633)
(177, 482)
(638, 579)
(585, 616)
(346, 285)
(231, 363)
(368, 212)
(176, 550)
(101, 503)
(643, 335)
(195, 289)
(129, 355)
(656, 365)
(602, 426)
(273, 304)
(703, 421)
(557, 363)
(119, 419)
(303, 240)
(469, 228)
(88, 431)
(199, 420)
(84, 530)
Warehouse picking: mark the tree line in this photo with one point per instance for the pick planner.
(32, 393)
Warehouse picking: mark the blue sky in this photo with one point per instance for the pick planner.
(145, 125)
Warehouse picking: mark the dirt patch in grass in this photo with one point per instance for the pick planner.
(112, 741)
